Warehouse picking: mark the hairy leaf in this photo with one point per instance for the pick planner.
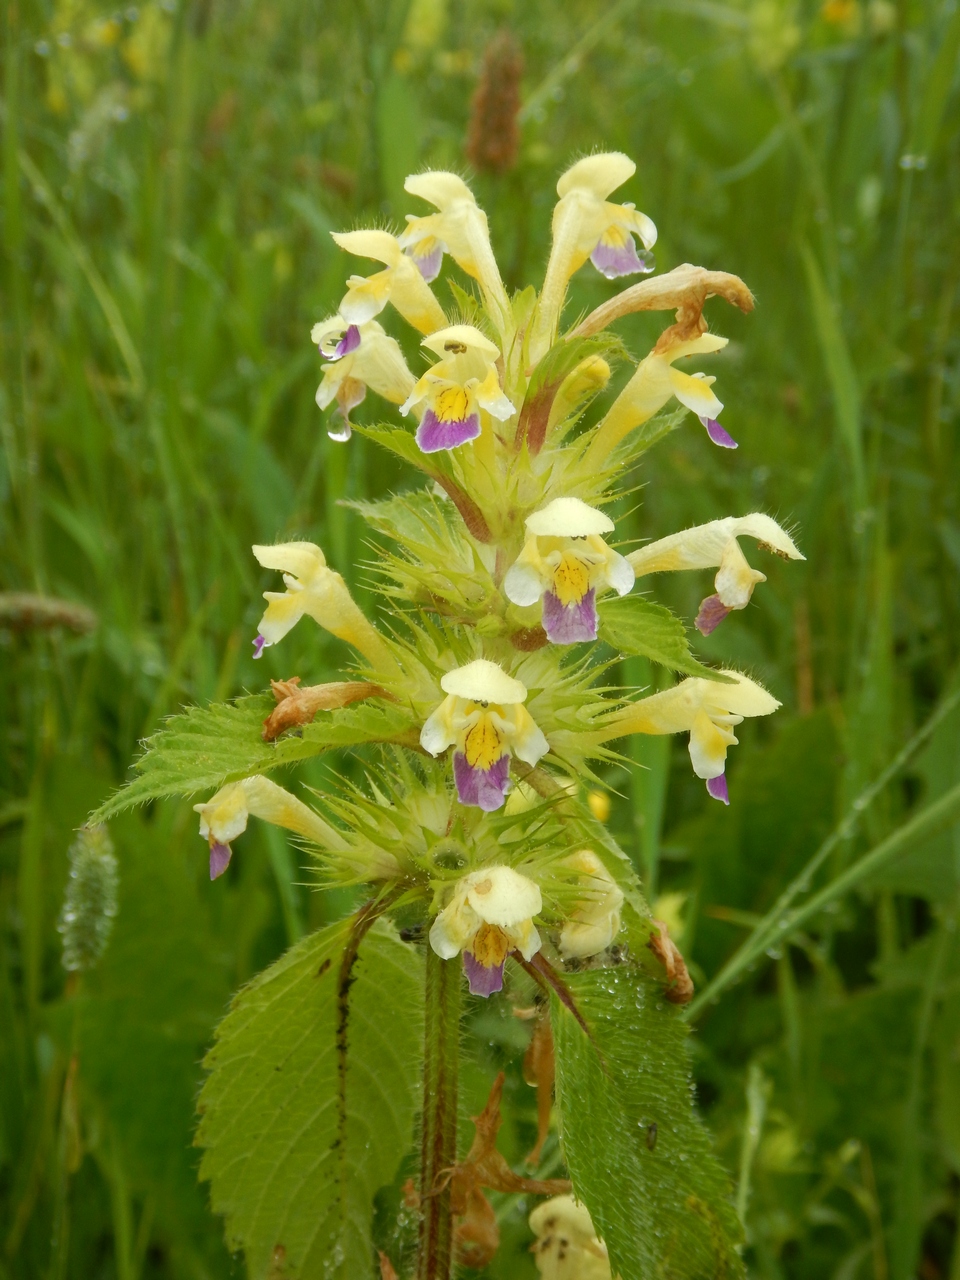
(639, 628)
(639, 1158)
(205, 747)
(310, 1103)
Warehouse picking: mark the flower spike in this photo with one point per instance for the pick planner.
(483, 718)
(566, 561)
(715, 544)
(402, 283)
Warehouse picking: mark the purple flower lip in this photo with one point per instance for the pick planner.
(433, 434)
(717, 433)
(569, 624)
(486, 788)
(622, 260)
(349, 342)
(483, 981)
(717, 787)
(712, 613)
(428, 264)
(258, 647)
(220, 855)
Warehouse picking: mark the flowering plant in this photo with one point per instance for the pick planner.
(481, 697)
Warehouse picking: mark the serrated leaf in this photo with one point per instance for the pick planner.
(299, 1137)
(639, 1158)
(640, 628)
(205, 747)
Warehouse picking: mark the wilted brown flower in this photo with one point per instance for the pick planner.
(494, 136)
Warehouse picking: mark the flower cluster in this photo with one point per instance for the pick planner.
(501, 577)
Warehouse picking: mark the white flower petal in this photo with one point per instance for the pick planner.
(570, 518)
(620, 574)
(522, 584)
(502, 896)
(483, 681)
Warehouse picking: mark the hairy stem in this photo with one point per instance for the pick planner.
(439, 1145)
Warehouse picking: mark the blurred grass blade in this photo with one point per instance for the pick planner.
(108, 303)
(840, 371)
(771, 928)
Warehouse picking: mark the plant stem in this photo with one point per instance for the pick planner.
(439, 1144)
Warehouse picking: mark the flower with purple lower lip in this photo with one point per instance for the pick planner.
(616, 255)
(358, 356)
(484, 720)
(565, 561)
(489, 914)
(463, 382)
(443, 426)
(428, 256)
(717, 787)
(403, 283)
(258, 646)
(223, 818)
(716, 545)
(706, 709)
(486, 788)
(349, 342)
(711, 613)
(717, 433)
(220, 855)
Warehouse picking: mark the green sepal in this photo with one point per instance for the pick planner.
(309, 1106)
(640, 628)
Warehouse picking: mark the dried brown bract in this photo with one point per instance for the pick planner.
(685, 290)
(477, 1235)
(679, 988)
(296, 706)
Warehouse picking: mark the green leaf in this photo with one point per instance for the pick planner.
(299, 1135)
(639, 1157)
(205, 747)
(639, 628)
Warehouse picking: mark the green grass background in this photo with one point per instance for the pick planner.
(170, 175)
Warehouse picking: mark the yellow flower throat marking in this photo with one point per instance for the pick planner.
(571, 579)
(451, 404)
(490, 946)
(482, 744)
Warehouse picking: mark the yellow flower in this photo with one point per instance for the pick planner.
(566, 561)
(483, 718)
(314, 589)
(587, 225)
(652, 386)
(460, 229)
(358, 356)
(594, 921)
(402, 283)
(715, 544)
(488, 916)
(566, 1247)
(224, 817)
(456, 388)
(708, 711)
